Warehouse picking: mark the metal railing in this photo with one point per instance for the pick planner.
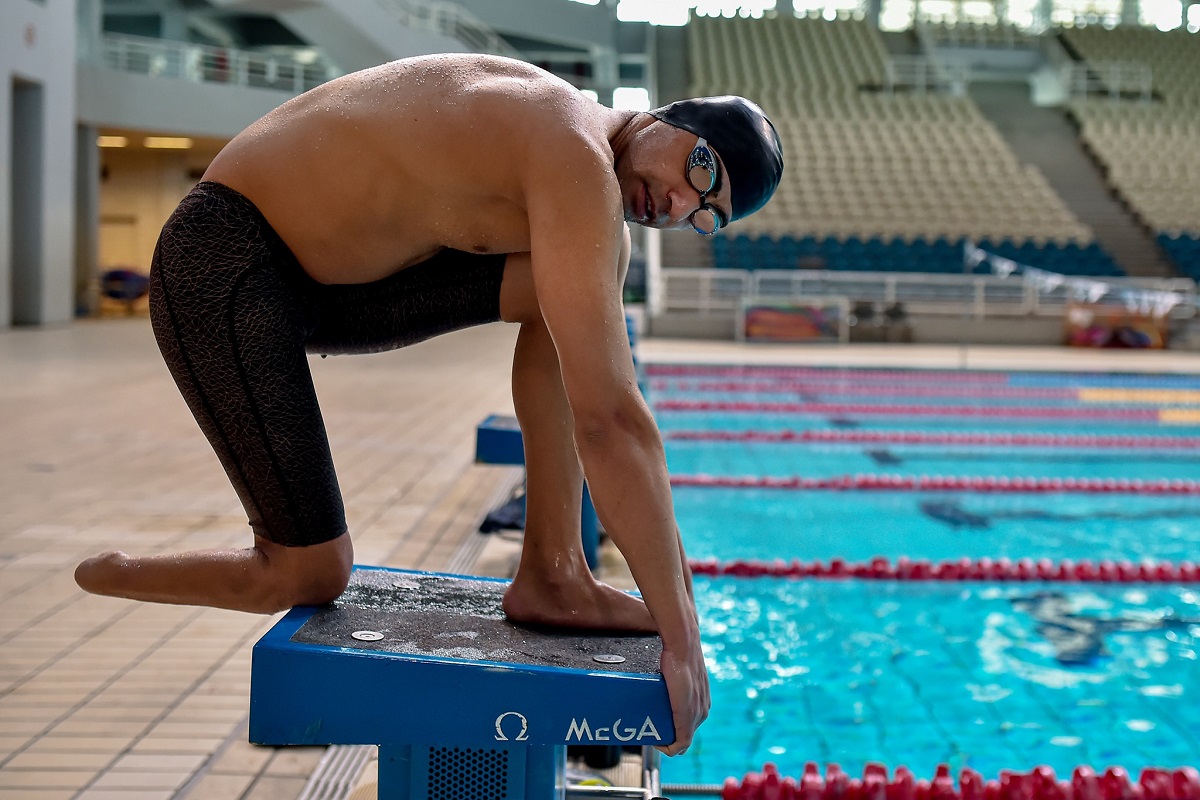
(205, 64)
(450, 19)
(1115, 80)
(923, 74)
(991, 36)
(719, 292)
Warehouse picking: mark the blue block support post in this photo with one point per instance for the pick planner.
(498, 441)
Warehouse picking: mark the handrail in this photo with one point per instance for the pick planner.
(924, 74)
(719, 291)
(450, 19)
(163, 58)
(1116, 80)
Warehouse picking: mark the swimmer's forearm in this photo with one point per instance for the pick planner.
(627, 476)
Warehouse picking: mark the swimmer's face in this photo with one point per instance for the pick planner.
(670, 181)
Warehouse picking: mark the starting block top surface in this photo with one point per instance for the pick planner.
(441, 616)
(413, 657)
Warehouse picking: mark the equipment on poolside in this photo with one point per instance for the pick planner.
(462, 703)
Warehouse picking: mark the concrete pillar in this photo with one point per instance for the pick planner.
(1129, 12)
(89, 23)
(173, 26)
(37, 130)
(87, 219)
(873, 9)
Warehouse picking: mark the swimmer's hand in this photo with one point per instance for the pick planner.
(687, 685)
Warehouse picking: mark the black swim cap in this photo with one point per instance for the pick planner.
(743, 137)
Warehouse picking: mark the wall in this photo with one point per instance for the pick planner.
(138, 191)
(37, 48)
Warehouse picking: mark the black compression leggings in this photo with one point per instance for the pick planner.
(235, 314)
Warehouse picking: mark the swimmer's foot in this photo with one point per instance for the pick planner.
(263, 579)
(581, 602)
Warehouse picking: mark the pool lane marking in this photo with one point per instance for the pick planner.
(934, 438)
(1162, 397)
(857, 388)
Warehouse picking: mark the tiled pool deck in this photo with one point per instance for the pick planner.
(103, 699)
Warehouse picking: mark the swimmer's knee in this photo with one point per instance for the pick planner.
(314, 575)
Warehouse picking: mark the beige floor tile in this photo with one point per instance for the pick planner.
(55, 743)
(272, 788)
(169, 746)
(241, 757)
(294, 761)
(37, 794)
(219, 787)
(169, 781)
(70, 761)
(45, 778)
(187, 730)
(159, 762)
(126, 794)
(11, 744)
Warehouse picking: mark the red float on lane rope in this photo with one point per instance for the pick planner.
(866, 409)
(963, 569)
(1040, 784)
(946, 483)
(943, 439)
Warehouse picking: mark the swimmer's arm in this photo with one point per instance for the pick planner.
(622, 273)
(576, 233)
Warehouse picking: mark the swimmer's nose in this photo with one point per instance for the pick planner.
(682, 204)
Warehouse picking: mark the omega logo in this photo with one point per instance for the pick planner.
(521, 736)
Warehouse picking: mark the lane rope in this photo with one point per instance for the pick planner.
(1130, 442)
(1040, 784)
(945, 483)
(826, 387)
(868, 409)
(958, 570)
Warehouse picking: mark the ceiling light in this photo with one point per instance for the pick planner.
(167, 142)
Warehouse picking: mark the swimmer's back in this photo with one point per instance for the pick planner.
(379, 169)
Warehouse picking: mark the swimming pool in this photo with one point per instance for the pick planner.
(990, 676)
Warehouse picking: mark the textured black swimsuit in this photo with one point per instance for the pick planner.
(235, 314)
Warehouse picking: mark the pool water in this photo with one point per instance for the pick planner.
(991, 676)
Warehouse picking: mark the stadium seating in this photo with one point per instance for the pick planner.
(875, 179)
(1147, 147)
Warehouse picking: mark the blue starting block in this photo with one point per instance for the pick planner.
(461, 702)
(498, 441)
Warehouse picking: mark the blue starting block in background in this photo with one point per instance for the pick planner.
(461, 702)
(498, 441)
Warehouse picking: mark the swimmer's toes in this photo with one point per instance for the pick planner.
(96, 574)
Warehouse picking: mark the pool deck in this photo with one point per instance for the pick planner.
(103, 699)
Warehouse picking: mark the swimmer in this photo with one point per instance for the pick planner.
(413, 199)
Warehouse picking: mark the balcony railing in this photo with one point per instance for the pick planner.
(205, 64)
(719, 292)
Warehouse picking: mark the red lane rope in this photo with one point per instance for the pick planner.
(1040, 784)
(1151, 414)
(828, 387)
(945, 483)
(963, 569)
(925, 437)
(750, 371)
